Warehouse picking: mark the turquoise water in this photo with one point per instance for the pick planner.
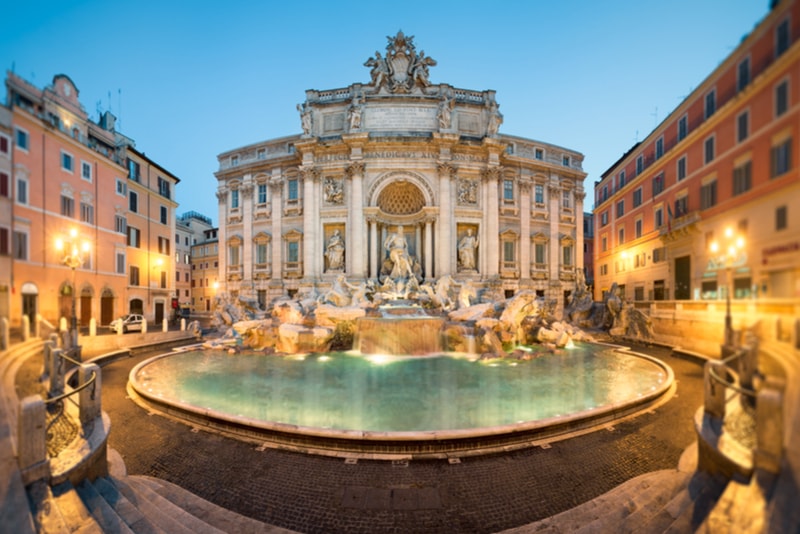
(342, 391)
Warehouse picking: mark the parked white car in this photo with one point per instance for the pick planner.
(129, 323)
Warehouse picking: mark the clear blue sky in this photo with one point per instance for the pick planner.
(189, 82)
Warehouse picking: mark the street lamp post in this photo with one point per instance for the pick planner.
(727, 254)
(75, 251)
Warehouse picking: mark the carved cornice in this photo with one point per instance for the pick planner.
(222, 197)
(247, 190)
(525, 185)
(492, 174)
(310, 173)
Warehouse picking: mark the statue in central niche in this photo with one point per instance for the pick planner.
(397, 247)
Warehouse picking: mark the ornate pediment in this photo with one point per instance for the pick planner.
(403, 69)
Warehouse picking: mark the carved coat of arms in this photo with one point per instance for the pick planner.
(403, 68)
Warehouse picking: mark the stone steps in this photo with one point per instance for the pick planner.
(132, 504)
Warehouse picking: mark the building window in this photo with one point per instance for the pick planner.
(621, 179)
(134, 275)
(120, 224)
(508, 191)
(565, 161)
(120, 263)
(67, 163)
(86, 171)
(134, 170)
(67, 206)
(164, 215)
(782, 37)
(567, 255)
(683, 127)
(540, 254)
(658, 217)
(261, 253)
(566, 199)
(262, 193)
(681, 170)
(87, 213)
(5, 142)
(658, 185)
(682, 206)
(743, 77)
(23, 140)
(604, 218)
(20, 245)
(621, 236)
(235, 199)
(781, 158)
(234, 161)
(163, 279)
(604, 244)
(122, 188)
(781, 98)
(133, 202)
(163, 245)
(620, 208)
(742, 178)
(5, 185)
(134, 237)
(508, 252)
(293, 252)
(538, 194)
(708, 195)
(639, 165)
(4, 242)
(293, 191)
(261, 154)
(637, 197)
(659, 147)
(742, 126)
(638, 228)
(22, 190)
(711, 103)
(538, 154)
(163, 187)
(233, 254)
(708, 150)
(781, 218)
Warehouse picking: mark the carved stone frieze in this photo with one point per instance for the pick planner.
(333, 191)
(355, 168)
(222, 197)
(467, 192)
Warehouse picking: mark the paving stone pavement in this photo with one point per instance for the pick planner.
(489, 493)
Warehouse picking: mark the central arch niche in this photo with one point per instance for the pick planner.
(401, 198)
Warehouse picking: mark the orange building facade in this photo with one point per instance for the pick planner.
(69, 174)
(708, 205)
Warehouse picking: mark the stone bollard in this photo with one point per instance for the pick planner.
(5, 334)
(748, 363)
(183, 324)
(47, 367)
(62, 324)
(164, 325)
(714, 397)
(32, 439)
(144, 327)
(797, 334)
(92, 327)
(58, 369)
(89, 397)
(769, 425)
(26, 328)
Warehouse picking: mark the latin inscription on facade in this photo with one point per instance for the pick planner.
(400, 118)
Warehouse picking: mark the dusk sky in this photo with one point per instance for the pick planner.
(188, 82)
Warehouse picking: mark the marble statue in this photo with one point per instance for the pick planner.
(495, 119)
(333, 190)
(334, 252)
(444, 113)
(305, 118)
(379, 70)
(466, 251)
(354, 115)
(397, 247)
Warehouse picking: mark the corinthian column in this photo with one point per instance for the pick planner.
(580, 194)
(525, 227)
(222, 235)
(355, 229)
(444, 229)
(491, 222)
(311, 254)
(276, 188)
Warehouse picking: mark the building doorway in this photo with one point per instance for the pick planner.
(136, 306)
(159, 312)
(30, 301)
(86, 306)
(683, 278)
(106, 307)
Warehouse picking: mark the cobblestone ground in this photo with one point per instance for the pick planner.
(481, 494)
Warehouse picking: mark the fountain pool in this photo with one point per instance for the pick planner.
(390, 406)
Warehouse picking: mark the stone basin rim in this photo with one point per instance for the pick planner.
(385, 441)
